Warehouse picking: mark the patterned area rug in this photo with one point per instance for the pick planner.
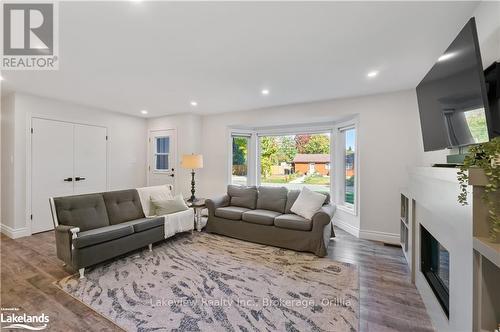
(205, 282)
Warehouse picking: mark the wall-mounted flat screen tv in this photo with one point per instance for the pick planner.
(452, 98)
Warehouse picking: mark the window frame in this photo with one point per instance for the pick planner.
(337, 158)
(291, 130)
(156, 154)
(250, 155)
(254, 168)
(340, 164)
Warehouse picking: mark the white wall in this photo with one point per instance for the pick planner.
(487, 16)
(188, 128)
(387, 144)
(7, 170)
(126, 148)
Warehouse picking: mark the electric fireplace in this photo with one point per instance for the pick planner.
(435, 265)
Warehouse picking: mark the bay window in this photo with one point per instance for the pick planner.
(295, 160)
(322, 158)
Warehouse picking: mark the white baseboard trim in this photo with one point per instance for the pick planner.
(346, 227)
(391, 238)
(14, 233)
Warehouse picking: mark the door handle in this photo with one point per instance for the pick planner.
(78, 178)
(68, 179)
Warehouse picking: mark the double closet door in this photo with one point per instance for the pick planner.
(66, 159)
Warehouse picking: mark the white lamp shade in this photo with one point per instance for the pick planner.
(192, 161)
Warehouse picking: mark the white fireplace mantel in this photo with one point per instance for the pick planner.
(433, 192)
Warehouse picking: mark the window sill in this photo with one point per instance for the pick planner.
(348, 209)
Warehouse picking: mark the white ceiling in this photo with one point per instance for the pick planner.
(127, 56)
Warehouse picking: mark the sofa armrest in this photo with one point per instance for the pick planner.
(64, 237)
(323, 216)
(215, 203)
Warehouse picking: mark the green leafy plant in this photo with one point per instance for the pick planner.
(484, 156)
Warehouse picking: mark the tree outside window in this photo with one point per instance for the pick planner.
(239, 173)
(285, 160)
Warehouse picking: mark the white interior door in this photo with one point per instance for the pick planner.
(90, 159)
(163, 157)
(51, 168)
(66, 159)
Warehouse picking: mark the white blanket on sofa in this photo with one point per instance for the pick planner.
(179, 222)
(182, 221)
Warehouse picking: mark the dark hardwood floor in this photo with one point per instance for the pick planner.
(29, 266)
(388, 299)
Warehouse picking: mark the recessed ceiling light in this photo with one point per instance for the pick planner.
(265, 92)
(194, 103)
(446, 56)
(372, 74)
(144, 112)
(1, 78)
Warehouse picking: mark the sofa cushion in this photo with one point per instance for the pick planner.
(100, 235)
(230, 212)
(262, 217)
(293, 221)
(143, 224)
(83, 211)
(242, 196)
(123, 205)
(272, 199)
(292, 197)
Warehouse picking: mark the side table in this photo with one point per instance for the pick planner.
(198, 205)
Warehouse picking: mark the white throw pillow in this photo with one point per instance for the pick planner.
(167, 205)
(145, 194)
(308, 203)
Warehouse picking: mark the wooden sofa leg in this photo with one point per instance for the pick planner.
(150, 246)
(82, 273)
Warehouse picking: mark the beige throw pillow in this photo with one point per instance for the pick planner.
(168, 205)
(145, 194)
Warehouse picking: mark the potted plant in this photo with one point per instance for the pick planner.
(485, 156)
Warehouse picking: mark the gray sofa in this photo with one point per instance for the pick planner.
(92, 228)
(263, 215)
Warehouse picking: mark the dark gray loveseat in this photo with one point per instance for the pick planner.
(263, 215)
(95, 227)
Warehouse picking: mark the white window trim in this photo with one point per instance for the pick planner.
(155, 154)
(290, 130)
(156, 170)
(254, 149)
(339, 148)
(250, 157)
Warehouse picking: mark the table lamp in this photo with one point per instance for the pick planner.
(192, 162)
